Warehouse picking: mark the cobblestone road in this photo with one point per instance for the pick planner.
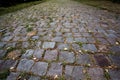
(61, 40)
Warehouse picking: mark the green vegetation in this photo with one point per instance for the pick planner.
(79, 43)
(4, 74)
(4, 10)
(103, 4)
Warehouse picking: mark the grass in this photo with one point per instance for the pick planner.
(102, 4)
(5, 10)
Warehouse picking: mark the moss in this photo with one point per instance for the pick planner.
(80, 44)
(4, 74)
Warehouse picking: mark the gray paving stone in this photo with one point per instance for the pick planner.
(25, 45)
(96, 74)
(38, 53)
(89, 47)
(68, 72)
(81, 39)
(51, 55)
(77, 73)
(83, 59)
(115, 49)
(115, 59)
(2, 44)
(34, 78)
(28, 54)
(47, 45)
(58, 39)
(76, 47)
(38, 44)
(114, 74)
(2, 53)
(69, 40)
(7, 38)
(55, 69)
(13, 76)
(40, 68)
(25, 65)
(61, 46)
(35, 37)
(67, 57)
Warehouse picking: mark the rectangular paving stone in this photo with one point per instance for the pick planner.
(62, 46)
(89, 47)
(51, 55)
(83, 59)
(58, 39)
(77, 73)
(102, 60)
(13, 76)
(76, 47)
(28, 54)
(67, 57)
(48, 45)
(25, 65)
(40, 68)
(55, 69)
(81, 39)
(38, 53)
(96, 74)
(115, 59)
(68, 72)
(2, 53)
(114, 74)
(69, 40)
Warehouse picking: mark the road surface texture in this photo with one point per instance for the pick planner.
(60, 40)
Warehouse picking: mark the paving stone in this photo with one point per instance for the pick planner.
(81, 39)
(68, 72)
(102, 60)
(51, 55)
(115, 60)
(77, 73)
(89, 47)
(67, 34)
(38, 53)
(7, 64)
(38, 44)
(96, 74)
(91, 40)
(25, 45)
(2, 44)
(34, 78)
(76, 47)
(7, 38)
(69, 40)
(25, 65)
(115, 49)
(55, 69)
(35, 37)
(40, 68)
(58, 39)
(28, 54)
(2, 53)
(67, 57)
(62, 46)
(114, 74)
(13, 76)
(83, 59)
(47, 45)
